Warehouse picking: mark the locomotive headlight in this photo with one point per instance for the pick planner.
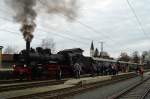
(25, 65)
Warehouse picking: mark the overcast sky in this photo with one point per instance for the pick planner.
(111, 21)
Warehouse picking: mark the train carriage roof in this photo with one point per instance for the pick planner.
(113, 61)
(71, 50)
(104, 60)
(123, 62)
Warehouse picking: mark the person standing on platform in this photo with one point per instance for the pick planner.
(59, 73)
(77, 69)
(110, 69)
(141, 72)
(113, 69)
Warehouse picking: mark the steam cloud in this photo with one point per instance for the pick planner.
(65, 7)
(26, 14)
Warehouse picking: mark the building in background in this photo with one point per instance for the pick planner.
(92, 49)
(7, 60)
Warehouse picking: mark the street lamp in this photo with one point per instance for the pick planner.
(1, 47)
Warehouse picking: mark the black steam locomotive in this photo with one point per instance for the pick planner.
(41, 63)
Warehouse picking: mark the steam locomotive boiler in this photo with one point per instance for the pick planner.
(41, 63)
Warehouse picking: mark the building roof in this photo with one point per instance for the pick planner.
(72, 50)
(104, 60)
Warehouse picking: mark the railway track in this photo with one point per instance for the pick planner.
(13, 81)
(10, 81)
(139, 90)
(24, 85)
(15, 84)
(66, 92)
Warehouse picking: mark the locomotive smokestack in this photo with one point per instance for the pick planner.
(28, 51)
(27, 46)
(27, 30)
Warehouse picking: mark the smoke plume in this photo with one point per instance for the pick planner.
(25, 12)
(66, 7)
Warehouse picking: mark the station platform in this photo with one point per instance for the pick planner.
(68, 84)
(6, 69)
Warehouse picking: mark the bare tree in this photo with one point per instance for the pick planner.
(10, 50)
(48, 43)
(147, 56)
(124, 57)
(144, 56)
(136, 57)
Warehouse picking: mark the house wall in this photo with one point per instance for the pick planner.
(7, 60)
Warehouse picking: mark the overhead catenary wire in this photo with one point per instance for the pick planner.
(79, 36)
(46, 32)
(9, 31)
(85, 25)
(51, 28)
(62, 36)
(68, 34)
(89, 28)
(137, 19)
(66, 37)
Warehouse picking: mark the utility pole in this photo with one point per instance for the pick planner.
(101, 46)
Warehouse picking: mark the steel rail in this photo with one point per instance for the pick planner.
(18, 86)
(145, 94)
(128, 89)
(66, 92)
